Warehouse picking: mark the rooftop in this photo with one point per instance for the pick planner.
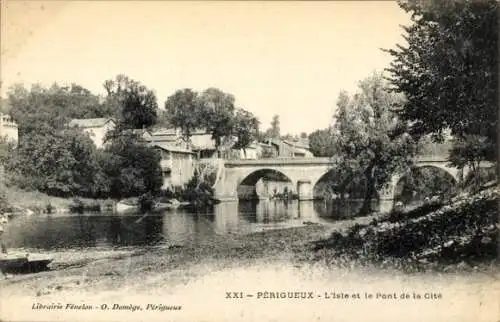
(172, 148)
(97, 122)
(174, 131)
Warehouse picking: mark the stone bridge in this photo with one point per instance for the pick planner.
(304, 173)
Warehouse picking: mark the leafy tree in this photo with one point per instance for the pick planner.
(163, 120)
(135, 105)
(60, 163)
(322, 143)
(470, 150)
(5, 149)
(217, 108)
(274, 131)
(64, 161)
(245, 128)
(132, 168)
(275, 127)
(448, 71)
(183, 110)
(53, 106)
(369, 138)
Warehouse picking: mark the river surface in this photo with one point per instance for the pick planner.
(173, 227)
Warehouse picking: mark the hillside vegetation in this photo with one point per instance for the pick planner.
(461, 233)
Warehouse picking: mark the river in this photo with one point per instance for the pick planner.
(73, 231)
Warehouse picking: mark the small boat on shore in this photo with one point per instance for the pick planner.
(24, 263)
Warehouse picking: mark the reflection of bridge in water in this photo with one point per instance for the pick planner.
(304, 174)
(251, 216)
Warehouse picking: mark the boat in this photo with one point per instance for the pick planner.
(24, 262)
(12, 261)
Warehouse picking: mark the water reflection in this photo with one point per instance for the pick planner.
(177, 227)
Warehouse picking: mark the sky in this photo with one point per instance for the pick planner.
(285, 58)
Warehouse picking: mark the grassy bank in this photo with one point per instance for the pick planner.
(39, 202)
(459, 234)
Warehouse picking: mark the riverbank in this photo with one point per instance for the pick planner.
(197, 278)
(105, 269)
(26, 202)
(38, 202)
(196, 274)
(461, 233)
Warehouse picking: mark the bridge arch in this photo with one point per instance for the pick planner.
(425, 180)
(264, 183)
(328, 185)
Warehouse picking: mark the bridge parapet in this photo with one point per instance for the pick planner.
(313, 161)
(280, 161)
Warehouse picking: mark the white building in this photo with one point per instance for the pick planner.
(8, 128)
(177, 165)
(96, 128)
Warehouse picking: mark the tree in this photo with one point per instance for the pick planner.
(132, 168)
(183, 110)
(274, 132)
(53, 106)
(61, 163)
(245, 129)
(369, 138)
(137, 105)
(5, 149)
(217, 109)
(163, 120)
(322, 143)
(448, 71)
(471, 150)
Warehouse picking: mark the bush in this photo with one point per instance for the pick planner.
(79, 206)
(4, 203)
(437, 234)
(474, 180)
(146, 202)
(198, 193)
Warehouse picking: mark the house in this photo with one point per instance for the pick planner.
(201, 143)
(177, 165)
(8, 128)
(250, 153)
(143, 133)
(171, 136)
(266, 150)
(288, 149)
(300, 148)
(96, 128)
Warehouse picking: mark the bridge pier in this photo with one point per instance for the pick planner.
(305, 190)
